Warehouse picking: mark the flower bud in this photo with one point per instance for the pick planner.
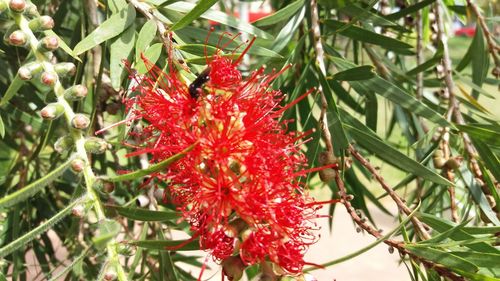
(52, 111)
(110, 275)
(80, 121)
(126, 249)
(75, 92)
(49, 78)
(31, 10)
(95, 145)
(48, 44)
(65, 68)
(17, 6)
(107, 187)
(18, 38)
(78, 211)
(233, 267)
(41, 23)
(77, 165)
(27, 71)
(3, 6)
(64, 143)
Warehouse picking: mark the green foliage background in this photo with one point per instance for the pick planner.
(377, 63)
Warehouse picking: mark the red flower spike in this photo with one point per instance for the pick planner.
(244, 168)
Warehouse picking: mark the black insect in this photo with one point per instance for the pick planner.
(195, 87)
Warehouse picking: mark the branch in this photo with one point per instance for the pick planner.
(401, 205)
(320, 61)
(492, 46)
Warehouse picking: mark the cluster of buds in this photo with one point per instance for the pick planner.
(47, 72)
(239, 187)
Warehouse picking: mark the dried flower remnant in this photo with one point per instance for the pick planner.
(239, 187)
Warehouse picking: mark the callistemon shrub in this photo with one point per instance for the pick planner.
(239, 187)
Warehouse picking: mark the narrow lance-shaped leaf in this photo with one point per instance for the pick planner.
(393, 156)
(144, 214)
(120, 49)
(444, 258)
(393, 93)
(151, 169)
(195, 13)
(35, 187)
(110, 28)
(363, 72)
(281, 15)
(23, 240)
(165, 245)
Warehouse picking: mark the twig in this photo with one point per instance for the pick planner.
(402, 206)
(454, 105)
(399, 245)
(320, 61)
(492, 46)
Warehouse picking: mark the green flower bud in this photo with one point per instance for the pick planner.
(31, 10)
(80, 121)
(126, 249)
(65, 68)
(95, 145)
(41, 23)
(17, 6)
(77, 165)
(75, 92)
(3, 6)
(48, 44)
(18, 38)
(78, 211)
(49, 78)
(52, 111)
(64, 143)
(27, 71)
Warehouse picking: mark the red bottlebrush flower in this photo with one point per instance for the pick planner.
(244, 167)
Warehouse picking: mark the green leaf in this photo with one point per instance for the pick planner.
(475, 276)
(482, 229)
(480, 60)
(33, 188)
(151, 169)
(144, 214)
(393, 156)
(110, 28)
(14, 86)
(146, 36)
(221, 17)
(488, 260)
(164, 245)
(363, 72)
(2, 128)
(152, 54)
(363, 35)
(338, 133)
(491, 137)
(410, 10)
(444, 258)
(23, 240)
(62, 44)
(107, 230)
(393, 93)
(489, 158)
(287, 33)
(120, 49)
(196, 12)
(442, 225)
(281, 15)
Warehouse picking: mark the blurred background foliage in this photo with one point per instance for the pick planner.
(427, 126)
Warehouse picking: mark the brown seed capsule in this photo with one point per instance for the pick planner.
(49, 78)
(327, 175)
(80, 121)
(453, 163)
(17, 6)
(18, 38)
